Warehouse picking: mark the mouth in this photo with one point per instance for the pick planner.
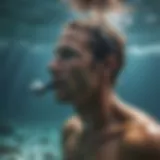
(58, 84)
(60, 89)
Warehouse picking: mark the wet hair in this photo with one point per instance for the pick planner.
(103, 42)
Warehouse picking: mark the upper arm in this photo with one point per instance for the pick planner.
(144, 142)
(70, 132)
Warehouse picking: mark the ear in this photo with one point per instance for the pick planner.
(109, 64)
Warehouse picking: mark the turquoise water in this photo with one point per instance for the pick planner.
(29, 32)
(32, 142)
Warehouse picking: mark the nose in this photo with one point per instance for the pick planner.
(53, 66)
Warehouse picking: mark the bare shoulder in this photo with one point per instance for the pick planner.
(72, 125)
(141, 128)
(71, 131)
(143, 139)
(139, 133)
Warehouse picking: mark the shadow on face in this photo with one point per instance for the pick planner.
(72, 68)
(87, 58)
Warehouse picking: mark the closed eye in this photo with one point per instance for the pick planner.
(67, 53)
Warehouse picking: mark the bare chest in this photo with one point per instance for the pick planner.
(97, 148)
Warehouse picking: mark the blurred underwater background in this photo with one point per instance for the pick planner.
(29, 29)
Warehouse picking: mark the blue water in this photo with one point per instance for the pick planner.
(29, 32)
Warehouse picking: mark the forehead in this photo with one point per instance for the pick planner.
(75, 36)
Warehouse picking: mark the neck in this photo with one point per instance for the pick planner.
(95, 111)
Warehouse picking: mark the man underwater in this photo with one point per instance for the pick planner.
(89, 57)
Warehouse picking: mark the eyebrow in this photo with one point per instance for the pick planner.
(65, 48)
